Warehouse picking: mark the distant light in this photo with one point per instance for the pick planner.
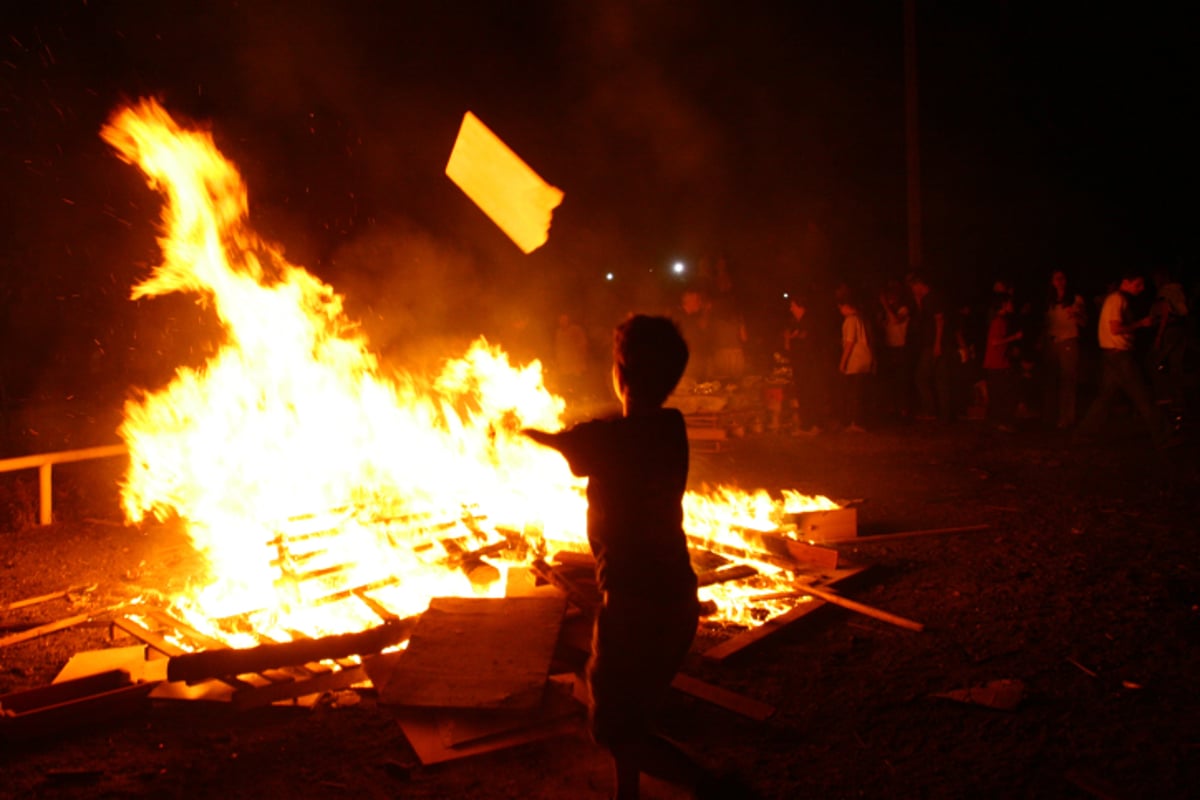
(785, 295)
(608, 276)
(678, 268)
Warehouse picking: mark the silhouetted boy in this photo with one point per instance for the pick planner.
(637, 466)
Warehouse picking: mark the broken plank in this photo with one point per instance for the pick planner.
(888, 537)
(587, 602)
(43, 598)
(847, 603)
(723, 698)
(80, 704)
(51, 627)
(725, 574)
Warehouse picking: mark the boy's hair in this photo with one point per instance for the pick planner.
(651, 356)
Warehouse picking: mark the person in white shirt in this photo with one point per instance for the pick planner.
(856, 364)
(1065, 317)
(1121, 374)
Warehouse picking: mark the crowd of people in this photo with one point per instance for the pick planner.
(905, 352)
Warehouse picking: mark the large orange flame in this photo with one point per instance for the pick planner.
(289, 454)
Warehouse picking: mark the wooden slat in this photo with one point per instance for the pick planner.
(53, 627)
(147, 636)
(43, 598)
(723, 698)
(844, 602)
(42, 630)
(891, 537)
(757, 634)
(258, 696)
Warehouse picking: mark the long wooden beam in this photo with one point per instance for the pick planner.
(43, 598)
(847, 603)
(891, 537)
(52, 627)
(194, 667)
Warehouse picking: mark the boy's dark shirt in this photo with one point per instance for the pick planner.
(637, 473)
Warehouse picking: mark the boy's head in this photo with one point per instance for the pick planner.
(649, 356)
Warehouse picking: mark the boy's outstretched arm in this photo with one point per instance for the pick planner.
(542, 437)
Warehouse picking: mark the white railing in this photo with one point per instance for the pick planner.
(45, 461)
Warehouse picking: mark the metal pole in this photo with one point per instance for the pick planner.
(912, 133)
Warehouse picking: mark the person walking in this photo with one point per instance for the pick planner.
(1121, 374)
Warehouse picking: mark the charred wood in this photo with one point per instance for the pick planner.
(194, 667)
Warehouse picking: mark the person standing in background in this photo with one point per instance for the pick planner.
(855, 366)
(1065, 318)
(895, 368)
(1170, 341)
(931, 373)
(1121, 373)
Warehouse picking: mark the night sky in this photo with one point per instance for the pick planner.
(771, 132)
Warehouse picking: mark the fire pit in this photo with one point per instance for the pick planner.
(333, 504)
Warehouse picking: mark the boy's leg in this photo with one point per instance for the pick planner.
(633, 662)
(627, 775)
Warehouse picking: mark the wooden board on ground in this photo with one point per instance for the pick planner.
(476, 652)
(723, 698)
(420, 727)
(753, 636)
(464, 726)
(80, 704)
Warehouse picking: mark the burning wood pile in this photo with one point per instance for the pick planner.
(466, 675)
(366, 529)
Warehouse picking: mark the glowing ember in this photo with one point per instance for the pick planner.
(307, 477)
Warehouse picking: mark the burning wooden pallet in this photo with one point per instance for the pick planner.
(202, 668)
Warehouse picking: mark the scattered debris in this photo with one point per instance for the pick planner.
(1082, 668)
(1004, 694)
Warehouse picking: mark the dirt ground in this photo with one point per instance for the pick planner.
(1085, 587)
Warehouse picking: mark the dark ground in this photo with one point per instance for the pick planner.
(1085, 587)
